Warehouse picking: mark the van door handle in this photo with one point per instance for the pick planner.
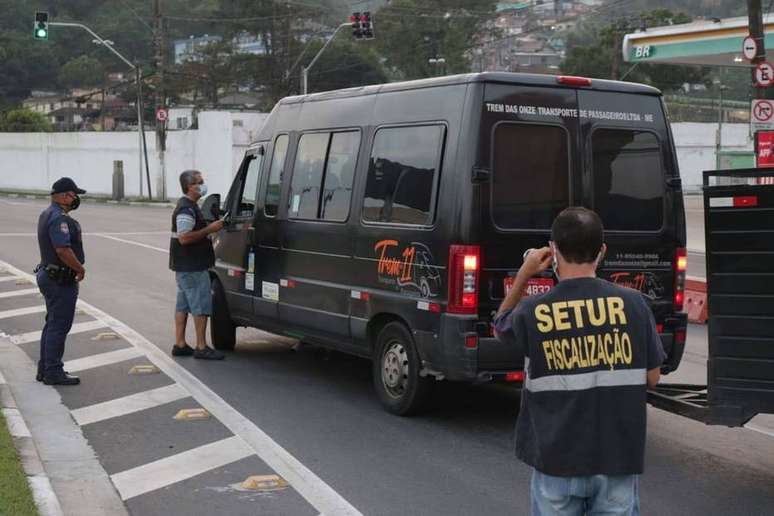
(674, 182)
(480, 175)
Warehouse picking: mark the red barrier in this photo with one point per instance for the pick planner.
(696, 300)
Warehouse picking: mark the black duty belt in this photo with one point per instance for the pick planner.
(59, 273)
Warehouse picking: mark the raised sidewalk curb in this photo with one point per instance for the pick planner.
(62, 469)
(88, 199)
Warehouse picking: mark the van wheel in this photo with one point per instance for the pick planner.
(396, 368)
(222, 328)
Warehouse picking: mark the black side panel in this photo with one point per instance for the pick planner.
(739, 222)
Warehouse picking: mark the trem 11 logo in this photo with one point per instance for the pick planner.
(407, 267)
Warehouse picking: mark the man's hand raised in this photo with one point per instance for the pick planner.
(536, 262)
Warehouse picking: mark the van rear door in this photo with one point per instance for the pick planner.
(631, 180)
(529, 140)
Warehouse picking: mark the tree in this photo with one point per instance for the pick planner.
(591, 50)
(343, 65)
(81, 72)
(411, 32)
(24, 121)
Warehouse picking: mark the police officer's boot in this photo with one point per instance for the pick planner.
(63, 379)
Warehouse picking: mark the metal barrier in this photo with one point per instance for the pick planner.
(739, 233)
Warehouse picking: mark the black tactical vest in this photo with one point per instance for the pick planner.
(192, 257)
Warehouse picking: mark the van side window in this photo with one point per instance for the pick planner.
(339, 175)
(403, 175)
(531, 180)
(628, 179)
(247, 203)
(274, 187)
(308, 175)
(323, 173)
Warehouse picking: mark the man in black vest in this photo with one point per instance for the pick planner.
(60, 271)
(591, 350)
(190, 256)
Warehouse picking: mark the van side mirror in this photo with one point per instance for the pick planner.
(211, 208)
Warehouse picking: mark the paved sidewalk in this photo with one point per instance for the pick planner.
(57, 450)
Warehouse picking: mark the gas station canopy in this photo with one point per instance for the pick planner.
(707, 43)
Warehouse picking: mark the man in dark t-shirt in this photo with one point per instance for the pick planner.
(591, 351)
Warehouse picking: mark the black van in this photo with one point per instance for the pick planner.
(388, 221)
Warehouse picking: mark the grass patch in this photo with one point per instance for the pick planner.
(15, 494)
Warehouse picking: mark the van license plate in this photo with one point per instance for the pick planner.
(534, 285)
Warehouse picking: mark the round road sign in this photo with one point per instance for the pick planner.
(162, 114)
(749, 48)
(764, 75)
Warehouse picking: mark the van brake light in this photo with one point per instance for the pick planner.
(680, 266)
(572, 80)
(464, 266)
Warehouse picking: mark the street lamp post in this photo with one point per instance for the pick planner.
(305, 69)
(138, 73)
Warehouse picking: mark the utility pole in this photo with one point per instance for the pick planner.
(305, 69)
(755, 22)
(160, 60)
(138, 75)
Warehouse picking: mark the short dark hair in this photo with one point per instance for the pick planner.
(187, 178)
(578, 234)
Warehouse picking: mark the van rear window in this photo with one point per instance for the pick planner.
(531, 182)
(628, 179)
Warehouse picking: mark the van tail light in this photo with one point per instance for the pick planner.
(464, 271)
(680, 336)
(681, 266)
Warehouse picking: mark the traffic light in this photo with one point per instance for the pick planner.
(366, 27)
(357, 32)
(40, 29)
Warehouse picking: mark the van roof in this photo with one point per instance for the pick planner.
(525, 79)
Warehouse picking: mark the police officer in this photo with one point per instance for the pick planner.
(58, 275)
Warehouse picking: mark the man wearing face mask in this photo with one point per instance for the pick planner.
(60, 271)
(591, 351)
(190, 256)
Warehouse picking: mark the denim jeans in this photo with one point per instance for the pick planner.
(595, 495)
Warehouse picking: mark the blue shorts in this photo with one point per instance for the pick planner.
(193, 293)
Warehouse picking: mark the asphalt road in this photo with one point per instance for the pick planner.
(321, 408)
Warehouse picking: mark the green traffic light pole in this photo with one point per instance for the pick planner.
(305, 69)
(138, 73)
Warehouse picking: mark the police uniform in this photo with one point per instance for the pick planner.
(57, 283)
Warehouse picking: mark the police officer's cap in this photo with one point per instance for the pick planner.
(66, 184)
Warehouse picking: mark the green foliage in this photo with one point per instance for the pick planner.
(410, 32)
(81, 72)
(591, 50)
(345, 64)
(15, 494)
(24, 121)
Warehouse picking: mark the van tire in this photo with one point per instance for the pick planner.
(396, 367)
(222, 328)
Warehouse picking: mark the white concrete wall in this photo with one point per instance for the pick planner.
(695, 144)
(33, 161)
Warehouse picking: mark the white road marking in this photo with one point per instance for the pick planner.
(22, 311)
(319, 494)
(102, 359)
(8, 278)
(44, 496)
(24, 338)
(128, 404)
(16, 425)
(23, 292)
(2, 379)
(132, 242)
(185, 465)
(759, 429)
